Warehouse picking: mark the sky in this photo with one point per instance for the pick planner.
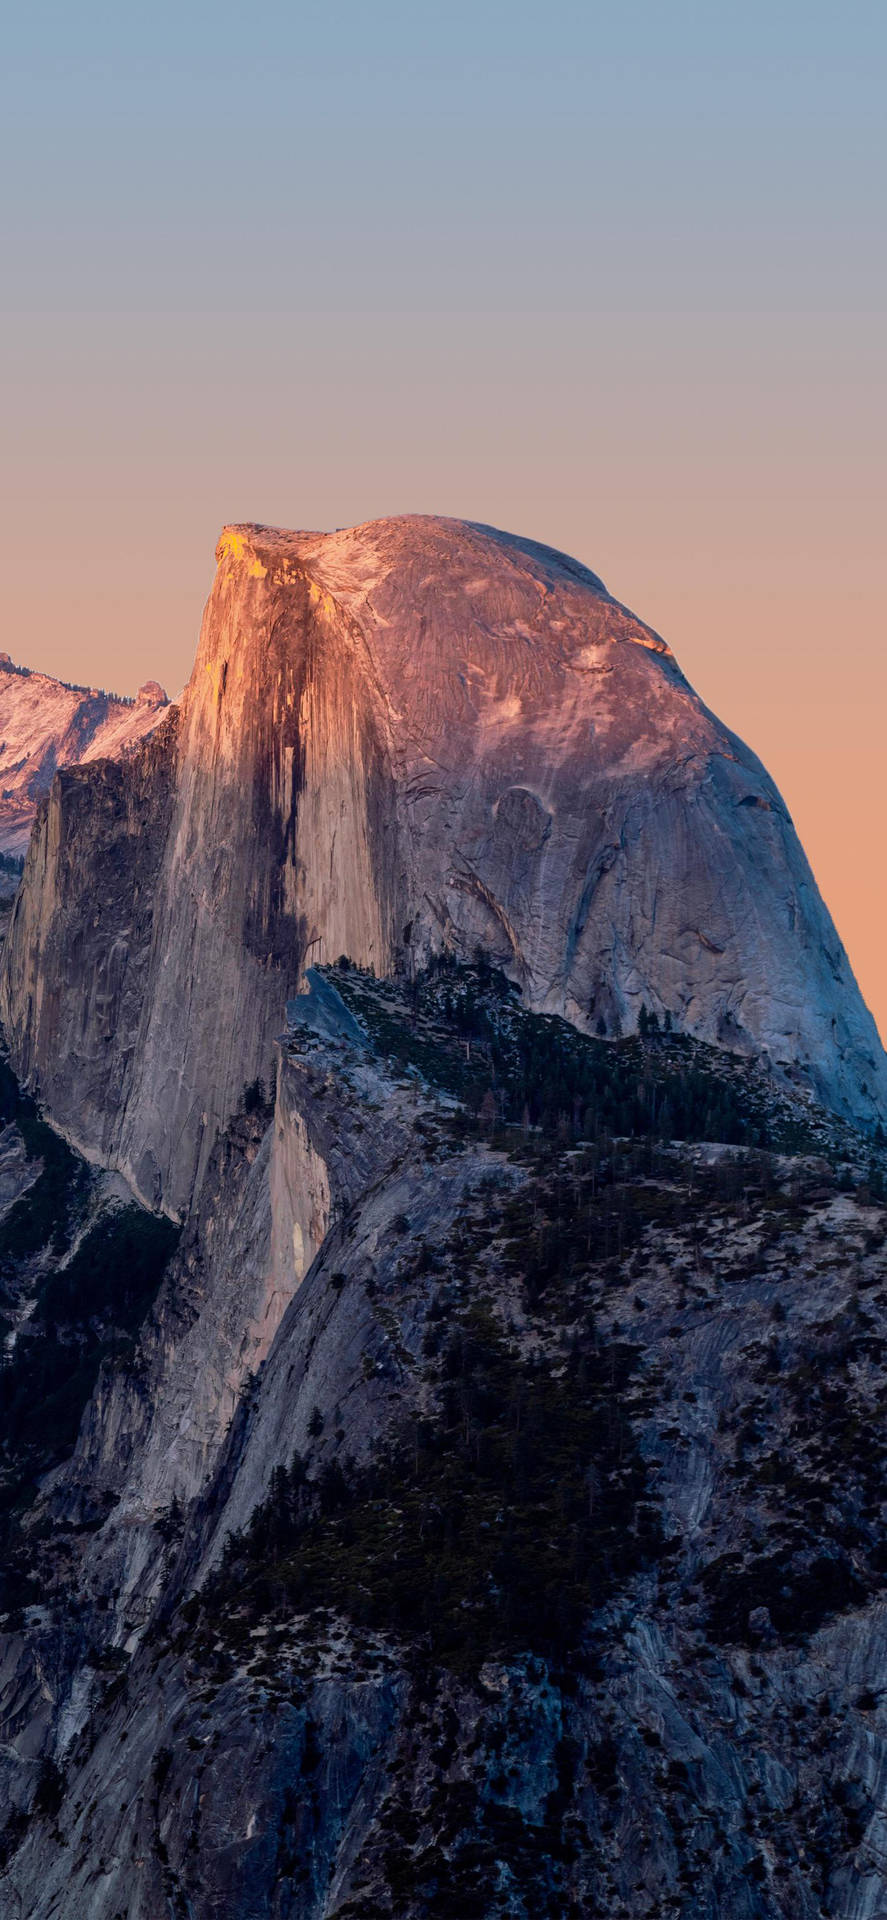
(612, 276)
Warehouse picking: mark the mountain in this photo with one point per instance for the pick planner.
(45, 724)
(413, 735)
(458, 1491)
(523, 1558)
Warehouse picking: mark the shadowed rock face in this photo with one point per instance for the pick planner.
(410, 734)
(45, 724)
(435, 1564)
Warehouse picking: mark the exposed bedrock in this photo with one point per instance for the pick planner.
(153, 1432)
(45, 724)
(410, 734)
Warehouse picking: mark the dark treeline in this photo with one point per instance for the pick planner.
(90, 1296)
(515, 1068)
(70, 686)
(493, 1527)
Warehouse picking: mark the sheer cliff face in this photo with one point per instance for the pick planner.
(411, 734)
(276, 851)
(78, 967)
(45, 724)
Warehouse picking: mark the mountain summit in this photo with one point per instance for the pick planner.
(411, 735)
(475, 1504)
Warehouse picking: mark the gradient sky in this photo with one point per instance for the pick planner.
(613, 276)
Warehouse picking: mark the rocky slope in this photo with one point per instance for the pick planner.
(477, 1507)
(45, 724)
(413, 735)
(537, 1568)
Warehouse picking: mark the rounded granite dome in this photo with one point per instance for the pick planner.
(416, 735)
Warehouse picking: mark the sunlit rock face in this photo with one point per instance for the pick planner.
(406, 735)
(45, 724)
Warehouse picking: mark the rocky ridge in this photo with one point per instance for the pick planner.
(410, 736)
(45, 724)
(477, 1506)
(537, 1567)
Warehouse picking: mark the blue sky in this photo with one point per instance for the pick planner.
(610, 276)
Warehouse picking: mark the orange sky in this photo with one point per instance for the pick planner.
(611, 277)
(770, 599)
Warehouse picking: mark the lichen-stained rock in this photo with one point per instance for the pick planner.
(413, 734)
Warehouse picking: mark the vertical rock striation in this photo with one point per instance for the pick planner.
(407, 735)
